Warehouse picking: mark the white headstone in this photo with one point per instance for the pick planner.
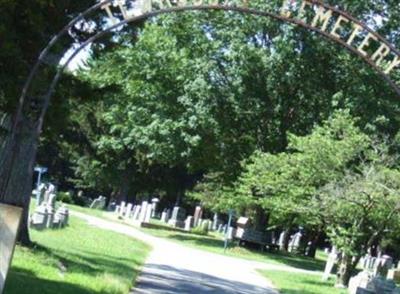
(128, 210)
(137, 212)
(189, 223)
(332, 258)
(164, 217)
(122, 208)
(148, 214)
(143, 211)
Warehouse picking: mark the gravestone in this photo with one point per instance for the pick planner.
(122, 209)
(164, 216)
(231, 233)
(10, 217)
(117, 208)
(359, 282)
(63, 215)
(383, 265)
(282, 237)
(189, 223)
(332, 259)
(178, 216)
(205, 225)
(294, 243)
(38, 219)
(198, 213)
(40, 193)
(210, 225)
(394, 274)
(98, 203)
(149, 213)
(128, 210)
(220, 228)
(380, 285)
(215, 222)
(136, 213)
(154, 203)
(143, 211)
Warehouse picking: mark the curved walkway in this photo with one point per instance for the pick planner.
(174, 268)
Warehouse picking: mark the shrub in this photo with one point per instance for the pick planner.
(64, 197)
(200, 230)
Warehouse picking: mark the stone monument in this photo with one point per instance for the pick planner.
(178, 216)
(198, 213)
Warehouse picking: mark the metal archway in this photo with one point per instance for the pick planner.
(281, 13)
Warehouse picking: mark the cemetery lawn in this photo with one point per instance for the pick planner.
(214, 242)
(77, 259)
(299, 283)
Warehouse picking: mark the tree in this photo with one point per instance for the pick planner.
(370, 197)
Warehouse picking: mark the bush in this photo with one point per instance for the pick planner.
(200, 230)
(64, 197)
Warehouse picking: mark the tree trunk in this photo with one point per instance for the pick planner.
(261, 219)
(312, 250)
(122, 194)
(344, 272)
(17, 157)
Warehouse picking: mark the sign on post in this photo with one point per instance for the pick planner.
(10, 218)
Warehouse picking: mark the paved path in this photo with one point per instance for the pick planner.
(174, 268)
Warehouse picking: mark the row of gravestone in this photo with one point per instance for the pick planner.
(45, 214)
(137, 213)
(378, 276)
(178, 219)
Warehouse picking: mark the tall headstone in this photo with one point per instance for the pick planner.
(332, 259)
(128, 210)
(178, 216)
(154, 203)
(117, 208)
(40, 192)
(137, 212)
(215, 222)
(10, 217)
(198, 213)
(281, 239)
(294, 243)
(122, 209)
(149, 212)
(143, 211)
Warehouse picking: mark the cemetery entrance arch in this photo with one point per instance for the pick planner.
(328, 21)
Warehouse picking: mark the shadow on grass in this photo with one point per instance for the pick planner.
(296, 261)
(24, 281)
(90, 263)
(199, 240)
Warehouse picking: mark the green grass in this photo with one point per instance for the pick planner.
(77, 259)
(298, 283)
(214, 242)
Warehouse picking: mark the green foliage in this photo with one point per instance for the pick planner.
(65, 197)
(200, 230)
